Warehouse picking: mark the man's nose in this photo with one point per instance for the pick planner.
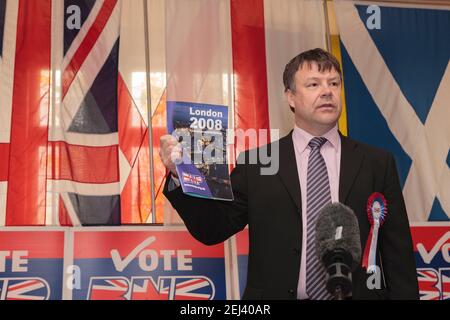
(326, 91)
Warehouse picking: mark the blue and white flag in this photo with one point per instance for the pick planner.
(397, 81)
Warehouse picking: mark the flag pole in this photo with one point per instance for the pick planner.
(149, 112)
(327, 25)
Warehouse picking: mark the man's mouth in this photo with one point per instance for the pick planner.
(326, 106)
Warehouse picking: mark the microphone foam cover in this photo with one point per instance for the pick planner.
(337, 228)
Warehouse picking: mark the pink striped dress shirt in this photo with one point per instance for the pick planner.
(331, 152)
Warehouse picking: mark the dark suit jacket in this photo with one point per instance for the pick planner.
(271, 207)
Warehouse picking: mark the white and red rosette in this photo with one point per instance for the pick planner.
(376, 212)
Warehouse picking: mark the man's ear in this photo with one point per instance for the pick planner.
(290, 99)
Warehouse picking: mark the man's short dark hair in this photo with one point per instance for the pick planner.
(325, 61)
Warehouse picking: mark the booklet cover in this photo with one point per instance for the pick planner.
(201, 129)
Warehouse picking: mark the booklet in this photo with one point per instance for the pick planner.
(202, 131)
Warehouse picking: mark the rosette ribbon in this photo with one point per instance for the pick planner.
(376, 213)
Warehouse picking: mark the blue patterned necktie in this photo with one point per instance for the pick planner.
(318, 195)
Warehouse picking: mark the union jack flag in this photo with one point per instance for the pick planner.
(73, 142)
(187, 288)
(428, 284)
(24, 289)
(108, 289)
(191, 178)
(85, 131)
(146, 289)
(173, 288)
(445, 283)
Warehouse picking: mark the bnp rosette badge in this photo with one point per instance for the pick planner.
(202, 131)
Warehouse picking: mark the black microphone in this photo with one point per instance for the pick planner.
(338, 247)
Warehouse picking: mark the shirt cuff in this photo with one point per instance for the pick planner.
(173, 183)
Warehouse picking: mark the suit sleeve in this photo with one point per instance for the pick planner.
(396, 243)
(213, 221)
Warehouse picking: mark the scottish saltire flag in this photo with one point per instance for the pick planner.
(397, 86)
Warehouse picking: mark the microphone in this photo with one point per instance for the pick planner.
(338, 247)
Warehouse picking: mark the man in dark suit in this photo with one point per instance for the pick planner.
(317, 165)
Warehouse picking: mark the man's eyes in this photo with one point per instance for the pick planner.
(315, 84)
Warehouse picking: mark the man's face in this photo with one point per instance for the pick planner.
(316, 99)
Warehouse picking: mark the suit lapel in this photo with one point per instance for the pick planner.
(351, 160)
(288, 172)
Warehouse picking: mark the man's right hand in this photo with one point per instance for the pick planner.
(170, 152)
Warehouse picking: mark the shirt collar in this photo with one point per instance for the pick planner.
(302, 138)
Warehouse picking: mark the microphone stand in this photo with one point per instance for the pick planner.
(338, 293)
(338, 282)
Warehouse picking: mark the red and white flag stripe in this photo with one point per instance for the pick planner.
(233, 53)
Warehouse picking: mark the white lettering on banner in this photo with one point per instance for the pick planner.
(149, 259)
(427, 257)
(146, 255)
(19, 261)
(120, 264)
(167, 255)
(446, 252)
(184, 263)
(3, 255)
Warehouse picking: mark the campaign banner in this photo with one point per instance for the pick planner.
(432, 252)
(202, 131)
(143, 264)
(31, 264)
